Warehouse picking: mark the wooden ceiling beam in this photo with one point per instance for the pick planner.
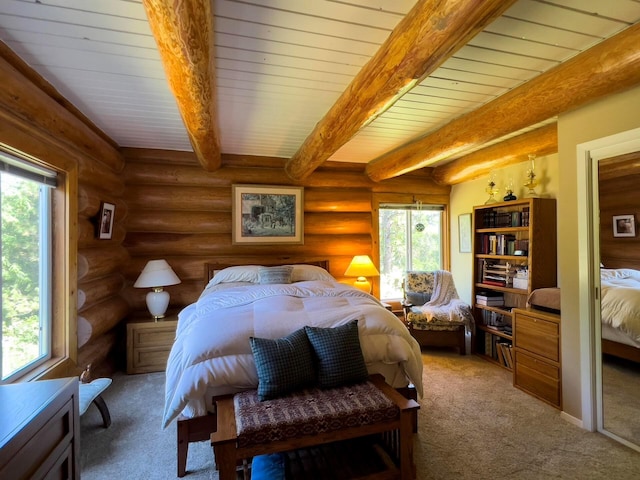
(184, 33)
(540, 142)
(428, 35)
(609, 67)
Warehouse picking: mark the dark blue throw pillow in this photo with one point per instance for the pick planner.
(338, 354)
(284, 364)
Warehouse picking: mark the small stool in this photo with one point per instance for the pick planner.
(92, 393)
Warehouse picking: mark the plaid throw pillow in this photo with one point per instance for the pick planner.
(283, 364)
(270, 275)
(339, 355)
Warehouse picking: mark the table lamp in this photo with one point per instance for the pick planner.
(157, 274)
(361, 266)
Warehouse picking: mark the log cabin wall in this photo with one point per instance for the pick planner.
(619, 195)
(179, 212)
(38, 122)
(101, 307)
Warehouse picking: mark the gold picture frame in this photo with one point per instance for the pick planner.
(267, 215)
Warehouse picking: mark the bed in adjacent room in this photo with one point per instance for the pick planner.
(620, 302)
(212, 355)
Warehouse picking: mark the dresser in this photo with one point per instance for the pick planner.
(537, 362)
(149, 343)
(39, 430)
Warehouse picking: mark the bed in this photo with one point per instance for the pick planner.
(211, 355)
(620, 304)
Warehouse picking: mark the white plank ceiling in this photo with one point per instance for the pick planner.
(281, 64)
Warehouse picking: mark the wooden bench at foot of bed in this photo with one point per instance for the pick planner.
(247, 427)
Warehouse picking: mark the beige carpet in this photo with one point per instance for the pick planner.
(621, 397)
(473, 425)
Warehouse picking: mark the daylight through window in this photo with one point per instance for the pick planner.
(410, 239)
(25, 231)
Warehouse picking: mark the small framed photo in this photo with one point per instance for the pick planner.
(105, 220)
(267, 214)
(624, 226)
(464, 232)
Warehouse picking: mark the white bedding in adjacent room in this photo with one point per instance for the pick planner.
(212, 353)
(621, 304)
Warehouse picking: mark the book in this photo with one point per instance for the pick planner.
(490, 303)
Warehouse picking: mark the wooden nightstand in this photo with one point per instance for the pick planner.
(149, 343)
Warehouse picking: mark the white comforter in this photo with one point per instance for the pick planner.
(212, 340)
(621, 300)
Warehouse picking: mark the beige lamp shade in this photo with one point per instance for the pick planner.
(361, 266)
(157, 274)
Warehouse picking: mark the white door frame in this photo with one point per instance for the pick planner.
(587, 156)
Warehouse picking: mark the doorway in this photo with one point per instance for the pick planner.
(596, 404)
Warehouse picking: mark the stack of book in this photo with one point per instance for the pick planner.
(492, 299)
(498, 274)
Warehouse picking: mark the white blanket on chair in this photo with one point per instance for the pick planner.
(445, 305)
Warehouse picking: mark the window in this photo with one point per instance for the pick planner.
(25, 248)
(410, 239)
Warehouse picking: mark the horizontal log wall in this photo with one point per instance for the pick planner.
(181, 213)
(619, 195)
(37, 122)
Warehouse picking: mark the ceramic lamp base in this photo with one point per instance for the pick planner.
(157, 302)
(363, 284)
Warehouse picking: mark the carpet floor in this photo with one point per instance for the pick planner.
(473, 424)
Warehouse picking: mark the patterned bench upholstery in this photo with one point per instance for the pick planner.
(247, 427)
(309, 412)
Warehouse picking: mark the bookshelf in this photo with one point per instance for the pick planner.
(514, 252)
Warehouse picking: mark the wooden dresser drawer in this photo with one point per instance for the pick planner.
(149, 344)
(39, 430)
(537, 377)
(147, 360)
(538, 336)
(147, 337)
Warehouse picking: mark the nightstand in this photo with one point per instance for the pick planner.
(149, 343)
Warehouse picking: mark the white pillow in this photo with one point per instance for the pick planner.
(242, 273)
(303, 273)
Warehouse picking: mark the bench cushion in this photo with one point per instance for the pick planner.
(309, 412)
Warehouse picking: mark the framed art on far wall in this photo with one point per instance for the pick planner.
(267, 214)
(624, 226)
(464, 232)
(105, 220)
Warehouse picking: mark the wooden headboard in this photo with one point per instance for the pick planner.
(211, 268)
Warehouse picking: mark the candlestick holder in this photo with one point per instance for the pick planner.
(531, 182)
(491, 190)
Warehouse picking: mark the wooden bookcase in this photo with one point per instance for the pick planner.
(509, 237)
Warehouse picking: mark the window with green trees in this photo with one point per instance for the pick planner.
(410, 239)
(25, 233)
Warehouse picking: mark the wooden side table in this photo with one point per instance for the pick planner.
(149, 343)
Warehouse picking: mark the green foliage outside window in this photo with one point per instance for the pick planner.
(19, 202)
(405, 246)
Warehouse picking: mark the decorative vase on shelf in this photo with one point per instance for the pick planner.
(509, 196)
(509, 192)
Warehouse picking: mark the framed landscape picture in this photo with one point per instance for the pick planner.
(464, 232)
(267, 214)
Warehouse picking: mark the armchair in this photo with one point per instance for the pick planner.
(434, 314)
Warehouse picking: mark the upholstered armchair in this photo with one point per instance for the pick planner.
(434, 313)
